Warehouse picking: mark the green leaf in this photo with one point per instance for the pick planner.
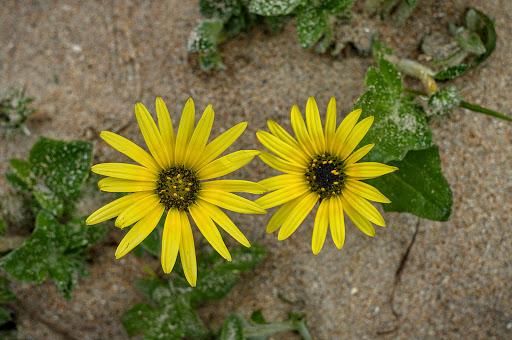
(138, 318)
(204, 36)
(154, 289)
(272, 8)
(443, 102)
(452, 72)
(411, 3)
(336, 6)
(220, 9)
(61, 166)
(470, 41)
(48, 200)
(276, 24)
(5, 293)
(418, 187)
(311, 24)
(15, 182)
(213, 284)
(232, 329)
(151, 243)
(53, 249)
(258, 318)
(22, 169)
(244, 258)
(400, 124)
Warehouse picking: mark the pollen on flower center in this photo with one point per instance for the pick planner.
(325, 175)
(177, 187)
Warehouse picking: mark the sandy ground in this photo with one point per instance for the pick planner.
(88, 63)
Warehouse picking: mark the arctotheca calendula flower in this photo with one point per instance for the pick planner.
(174, 179)
(320, 166)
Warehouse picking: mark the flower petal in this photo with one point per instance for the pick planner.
(315, 126)
(166, 128)
(116, 207)
(299, 127)
(298, 214)
(234, 186)
(139, 231)
(185, 130)
(330, 126)
(295, 156)
(366, 191)
(320, 227)
(345, 128)
(280, 164)
(230, 201)
(282, 195)
(281, 133)
(171, 240)
(361, 222)
(137, 211)
(219, 145)
(209, 230)
(356, 156)
(281, 181)
(125, 171)
(111, 184)
(355, 136)
(226, 164)
(200, 136)
(131, 150)
(188, 250)
(152, 136)
(368, 170)
(281, 214)
(337, 221)
(364, 208)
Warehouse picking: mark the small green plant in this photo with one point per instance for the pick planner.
(6, 296)
(14, 110)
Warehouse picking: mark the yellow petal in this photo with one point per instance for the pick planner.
(209, 230)
(298, 214)
(139, 231)
(152, 135)
(223, 221)
(361, 222)
(280, 164)
(281, 196)
(171, 240)
(355, 136)
(231, 202)
(281, 133)
(131, 150)
(234, 186)
(111, 184)
(345, 128)
(219, 145)
(200, 137)
(188, 250)
(299, 127)
(125, 171)
(281, 181)
(366, 191)
(295, 156)
(315, 126)
(116, 207)
(330, 126)
(166, 128)
(185, 131)
(320, 227)
(226, 164)
(137, 211)
(281, 214)
(368, 170)
(337, 221)
(364, 208)
(356, 156)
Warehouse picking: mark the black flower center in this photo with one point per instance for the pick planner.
(177, 187)
(325, 175)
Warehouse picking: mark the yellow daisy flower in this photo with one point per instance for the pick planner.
(174, 178)
(319, 166)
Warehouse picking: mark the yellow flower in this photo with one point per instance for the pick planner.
(319, 166)
(174, 178)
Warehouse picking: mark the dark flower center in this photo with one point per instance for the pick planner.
(177, 187)
(325, 175)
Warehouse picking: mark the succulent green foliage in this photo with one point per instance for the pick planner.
(54, 249)
(175, 317)
(203, 40)
(55, 173)
(336, 6)
(311, 24)
(274, 7)
(477, 38)
(443, 102)
(14, 109)
(5, 293)
(418, 187)
(232, 329)
(400, 124)
(151, 244)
